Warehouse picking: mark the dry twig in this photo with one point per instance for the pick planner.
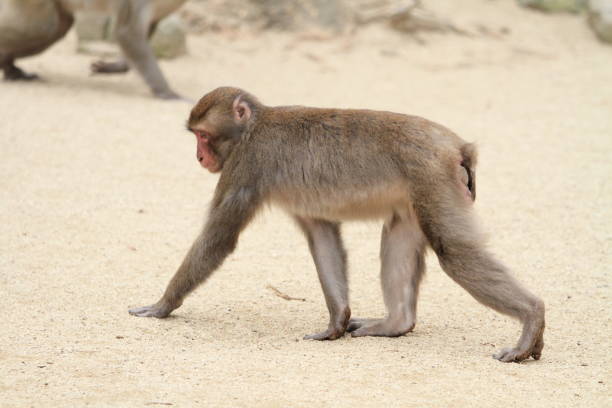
(283, 295)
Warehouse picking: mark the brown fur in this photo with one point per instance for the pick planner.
(325, 166)
(28, 27)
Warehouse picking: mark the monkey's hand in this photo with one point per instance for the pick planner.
(336, 328)
(159, 310)
(518, 354)
(522, 351)
(329, 334)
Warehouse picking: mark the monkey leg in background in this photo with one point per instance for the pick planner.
(325, 166)
(136, 21)
(28, 27)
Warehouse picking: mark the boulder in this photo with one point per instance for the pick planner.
(600, 19)
(330, 15)
(553, 6)
(169, 39)
(95, 33)
(92, 26)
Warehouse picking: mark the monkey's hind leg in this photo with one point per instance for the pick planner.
(455, 239)
(330, 260)
(402, 255)
(14, 73)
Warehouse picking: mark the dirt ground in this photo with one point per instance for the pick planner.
(101, 196)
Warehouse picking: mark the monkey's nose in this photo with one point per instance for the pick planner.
(200, 159)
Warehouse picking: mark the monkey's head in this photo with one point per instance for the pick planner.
(219, 121)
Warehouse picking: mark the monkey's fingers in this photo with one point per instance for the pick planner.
(513, 355)
(518, 354)
(329, 334)
(150, 311)
(510, 354)
(536, 353)
(382, 328)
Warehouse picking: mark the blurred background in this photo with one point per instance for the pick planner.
(101, 196)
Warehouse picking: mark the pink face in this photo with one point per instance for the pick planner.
(205, 152)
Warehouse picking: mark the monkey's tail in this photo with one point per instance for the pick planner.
(469, 157)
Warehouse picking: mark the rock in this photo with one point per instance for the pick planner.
(330, 15)
(169, 39)
(92, 26)
(553, 6)
(600, 19)
(314, 16)
(95, 32)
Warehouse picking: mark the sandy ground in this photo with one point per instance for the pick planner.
(101, 195)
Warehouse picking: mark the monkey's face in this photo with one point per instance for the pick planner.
(218, 121)
(205, 151)
(216, 136)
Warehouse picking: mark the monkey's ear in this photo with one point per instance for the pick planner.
(242, 110)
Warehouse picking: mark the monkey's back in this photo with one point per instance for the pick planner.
(369, 161)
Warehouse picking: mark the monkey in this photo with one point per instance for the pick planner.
(328, 166)
(28, 27)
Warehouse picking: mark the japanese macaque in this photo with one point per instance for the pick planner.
(326, 166)
(28, 27)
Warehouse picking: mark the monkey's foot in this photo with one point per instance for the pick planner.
(379, 327)
(14, 73)
(159, 310)
(115, 67)
(329, 334)
(337, 326)
(518, 354)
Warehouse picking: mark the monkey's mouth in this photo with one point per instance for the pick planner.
(208, 158)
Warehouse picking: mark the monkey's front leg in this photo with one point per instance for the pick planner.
(330, 260)
(225, 222)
